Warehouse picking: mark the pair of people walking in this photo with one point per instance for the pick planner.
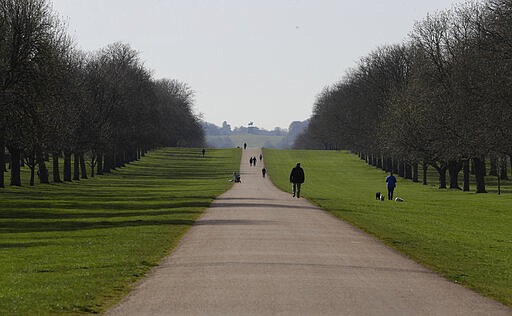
(252, 161)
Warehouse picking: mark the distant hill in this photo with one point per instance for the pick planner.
(225, 137)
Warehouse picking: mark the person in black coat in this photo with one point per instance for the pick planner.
(297, 178)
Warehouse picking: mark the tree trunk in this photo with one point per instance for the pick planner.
(503, 169)
(31, 163)
(99, 166)
(408, 171)
(93, 163)
(107, 163)
(401, 168)
(425, 168)
(2, 161)
(510, 159)
(442, 174)
(465, 168)
(415, 172)
(388, 164)
(454, 169)
(493, 169)
(395, 166)
(479, 164)
(32, 176)
(83, 167)
(15, 165)
(76, 166)
(56, 173)
(67, 166)
(43, 171)
(379, 162)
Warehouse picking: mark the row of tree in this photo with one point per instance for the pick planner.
(443, 98)
(103, 109)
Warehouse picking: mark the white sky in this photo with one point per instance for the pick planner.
(247, 60)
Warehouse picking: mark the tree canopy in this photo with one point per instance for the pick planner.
(102, 107)
(441, 98)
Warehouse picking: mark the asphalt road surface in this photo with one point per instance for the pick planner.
(258, 251)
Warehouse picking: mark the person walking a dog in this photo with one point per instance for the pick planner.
(297, 178)
(390, 184)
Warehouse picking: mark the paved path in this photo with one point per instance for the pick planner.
(258, 251)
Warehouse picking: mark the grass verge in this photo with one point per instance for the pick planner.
(465, 237)
(77, 247)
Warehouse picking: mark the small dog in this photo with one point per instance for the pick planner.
(397, 199)
(379, 196)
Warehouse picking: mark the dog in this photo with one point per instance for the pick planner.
(379, 196)
(397, 199)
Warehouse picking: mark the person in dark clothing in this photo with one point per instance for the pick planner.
(250, 161)
(263, 171)
(203, 152)
(245, 145)
(297, 178)
(390, 184)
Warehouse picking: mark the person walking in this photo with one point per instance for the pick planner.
(264, 172)
(297, 178)
(245, 145)
(203, 152)
(390, 184)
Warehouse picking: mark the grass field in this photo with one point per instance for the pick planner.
(77, 247)
(464, 236)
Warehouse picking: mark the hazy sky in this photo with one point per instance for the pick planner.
(247, 60)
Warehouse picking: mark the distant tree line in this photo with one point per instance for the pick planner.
(225, 130)
(97, 111)
(219, 136)
(443, 98)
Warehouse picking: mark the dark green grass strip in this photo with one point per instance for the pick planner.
(466, 237)
(77, 247)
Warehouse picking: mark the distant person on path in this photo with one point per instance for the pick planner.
(250, 161)
(297, 178)
(390, 184)
(203, 151)
(245, 145)
(261, 157)
(254, 160)
(263, 172)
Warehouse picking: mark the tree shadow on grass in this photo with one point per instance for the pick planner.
(114, 205)
(7, 245)
(56, 226)
(261, 205)
(216, 222)
(39, 214)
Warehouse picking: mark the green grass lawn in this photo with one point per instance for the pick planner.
(78, 247)
(464, 236)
